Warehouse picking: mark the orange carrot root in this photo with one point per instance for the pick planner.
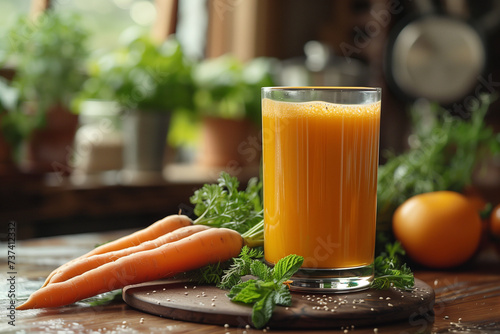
(200, 249)
(153, 231)
(83, 265)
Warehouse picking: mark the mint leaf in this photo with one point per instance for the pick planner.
(283, 296)
(249, 292)
(235, 290)
(263, 309)
(286, 267)
(265, 292)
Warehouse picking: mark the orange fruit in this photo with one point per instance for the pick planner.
(494, 223)
(439, 229)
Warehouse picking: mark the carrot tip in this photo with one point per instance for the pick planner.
(24, 306)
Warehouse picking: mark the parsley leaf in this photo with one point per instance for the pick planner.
(223, 205)
(390, 272)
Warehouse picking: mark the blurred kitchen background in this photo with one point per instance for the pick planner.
(113, 112)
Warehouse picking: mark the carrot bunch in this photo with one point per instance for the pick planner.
(166, 248)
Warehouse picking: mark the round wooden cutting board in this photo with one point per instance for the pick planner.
(210, 305)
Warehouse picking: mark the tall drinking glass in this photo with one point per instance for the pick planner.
(320, 160)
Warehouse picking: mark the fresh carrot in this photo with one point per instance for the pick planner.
(153, 231)
(88, 263)
(200, 249)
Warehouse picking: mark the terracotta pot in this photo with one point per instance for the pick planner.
(49, 149)
(227, 142)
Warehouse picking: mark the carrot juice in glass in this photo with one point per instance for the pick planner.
(320, 160)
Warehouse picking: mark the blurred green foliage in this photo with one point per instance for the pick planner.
(53, 66)
(48, 54)
(142, 75)
(229, 88)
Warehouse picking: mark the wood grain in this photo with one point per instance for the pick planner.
(210, 305)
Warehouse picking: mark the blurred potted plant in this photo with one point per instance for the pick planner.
(9, 97)
(48, 56)
(228, 99)
(149, 81)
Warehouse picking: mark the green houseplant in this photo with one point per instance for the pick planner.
(228, 100)
(149, 81)
(48, 55)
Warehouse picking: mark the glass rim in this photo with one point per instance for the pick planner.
(324, 88)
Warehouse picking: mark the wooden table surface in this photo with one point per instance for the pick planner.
(467, 299)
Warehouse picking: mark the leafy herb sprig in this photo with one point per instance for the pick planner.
(390, 271)
(240, 267)
(226, 274)
(265, 291)
(224, 205)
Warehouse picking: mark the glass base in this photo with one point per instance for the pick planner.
(332, 280)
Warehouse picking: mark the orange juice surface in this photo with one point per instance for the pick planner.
(320, 182)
